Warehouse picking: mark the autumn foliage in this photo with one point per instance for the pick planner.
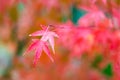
(80, 38)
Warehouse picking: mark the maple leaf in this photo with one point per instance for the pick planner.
(39, 46)
(48, 36)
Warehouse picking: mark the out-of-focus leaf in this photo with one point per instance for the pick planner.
(97, 60)
(108, 70)
(76, 14)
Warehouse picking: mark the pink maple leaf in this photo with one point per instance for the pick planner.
(47, 36)
(40, 45)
